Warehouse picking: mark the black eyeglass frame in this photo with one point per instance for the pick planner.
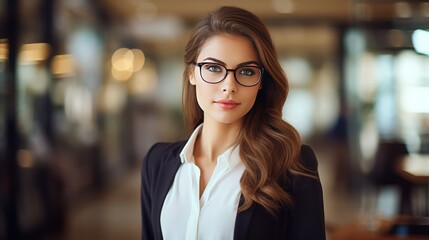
(200, 64)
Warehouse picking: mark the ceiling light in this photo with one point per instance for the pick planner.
(33, 52)
(283, 6)
(403, 9)
(146, 11)
(4, 50)
(63, 65)
(420, 39)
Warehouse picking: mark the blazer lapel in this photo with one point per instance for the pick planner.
(242, 221)
(166, 176)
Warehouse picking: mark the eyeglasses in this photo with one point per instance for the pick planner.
(247, 76)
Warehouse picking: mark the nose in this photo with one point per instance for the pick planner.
(229, 85)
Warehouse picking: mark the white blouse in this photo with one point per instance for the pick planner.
(185, 215)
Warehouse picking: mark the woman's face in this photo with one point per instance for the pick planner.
(226, 102)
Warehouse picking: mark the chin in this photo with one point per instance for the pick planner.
(229, 120)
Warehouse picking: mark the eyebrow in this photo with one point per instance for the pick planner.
(224, 64)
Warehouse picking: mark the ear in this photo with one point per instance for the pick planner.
(192, 79)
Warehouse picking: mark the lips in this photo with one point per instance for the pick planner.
(226, 104)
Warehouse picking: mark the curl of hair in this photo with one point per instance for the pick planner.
(269, 146)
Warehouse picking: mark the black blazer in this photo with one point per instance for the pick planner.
(304, 221)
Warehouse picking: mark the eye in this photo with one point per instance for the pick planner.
(247, 71)
(213, 67)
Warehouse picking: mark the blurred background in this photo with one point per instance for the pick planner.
(87, 86)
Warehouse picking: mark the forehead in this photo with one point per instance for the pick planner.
(231, 49)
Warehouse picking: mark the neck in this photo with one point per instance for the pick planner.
(215, 139)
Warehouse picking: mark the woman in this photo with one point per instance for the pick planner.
(243, 173)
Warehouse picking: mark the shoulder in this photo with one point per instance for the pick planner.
(307, 218)
(308, 158)
(162, 153)
(308, 175)
(164, 148)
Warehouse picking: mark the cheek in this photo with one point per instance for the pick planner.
(253, 99)
(252, 96)
(203, 92)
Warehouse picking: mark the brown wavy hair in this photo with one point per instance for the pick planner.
(269, 146)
